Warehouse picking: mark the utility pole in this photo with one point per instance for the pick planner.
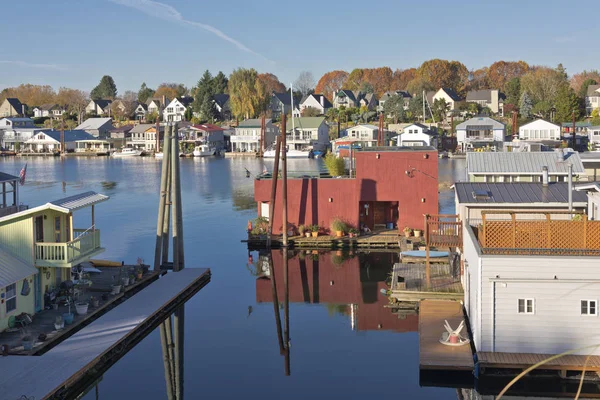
(380, 133)
(574, 129)
(284, 180)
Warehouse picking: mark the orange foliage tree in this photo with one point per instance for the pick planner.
(32, 95)
(444, 73)
(271, 83)
(478, 79)
(401, 77)
(501, 72)
(578, 79)
(330, 82)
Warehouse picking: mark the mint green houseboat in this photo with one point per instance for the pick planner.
(38, 246)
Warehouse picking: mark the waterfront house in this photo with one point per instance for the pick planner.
(282, 103)
(48, 111)
(523, 166)
(531, 285)
(448, 95)
(49, 141)
(221, 101)
(354, 99)
(367, 134)
(592, 190)
(539, 130)
(591, 164)
(317, 101)
(40, 245)
(16, 131)
(594, 136)
(12, 107)
(471, 198)
(140, 112)
(175, 110)
(391, 185)
(97, 127)
(418, 135)
(156, 104)
(143, 137)
(480, 132)
(309, 133)
(342, 147)
(386, 96)
(592, 99)
(209, 134)
(98, 107)
(490, 98)
(247, 135)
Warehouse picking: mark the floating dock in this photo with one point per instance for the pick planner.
(413, 282)
(69, 368)
(432, 354)
(566, 364)
(379, 240)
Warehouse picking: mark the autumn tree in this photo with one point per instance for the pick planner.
(444, 73)
(106, 89)
(145, 93)
(401, 78)
(500, 72)
(248, 95)
(32, 95)
(418, 85)
(271, 83)
(73, 100)
(310, 112)
(542, 84)
(305, 83)
(171, 90)
(577, 80)
(478, 79)
(331, 82)
(124, 107)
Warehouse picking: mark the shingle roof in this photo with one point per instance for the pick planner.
(13, 269)
(306, 123)
(141, 128)
(208, 127)
(70, 136)
(124, 128)
(555, 192)
(102, 103)
(593, 90)
(15, 103)
(317, 97)
(81, 200)
(221, 99)
(483, 94)
(452, 94)
(349, 93)
(481, 121)
(253, 123)
(522, 163)
(93, 123)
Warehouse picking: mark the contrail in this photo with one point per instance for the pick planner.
(169, 13)
(55, 67)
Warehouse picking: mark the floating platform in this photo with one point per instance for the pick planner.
(379, 240)
(569, 363)
(411, 282)
(69, 368)
(432, 354)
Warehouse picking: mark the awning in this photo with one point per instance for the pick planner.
(78, 201)
(13, 269)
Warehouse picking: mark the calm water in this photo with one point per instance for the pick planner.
(231, 352)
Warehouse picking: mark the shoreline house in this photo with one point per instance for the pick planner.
(12, 107)
(48, 111)
(97, 127)
(448, 95)
(156, 104)
(209, 134)
(367, 134)
(480, 132)
(354, 99)
(38, 248)
(539, 131)
(140, 112)
(594, 136)
(50, 141)
(247, 135)
(310, 133)
(387, 95)
(143, 137)
(531, 283)
(417, 135)
(175, 110)
(391, 185)
(98, 107)
(221, 101)
(282, 103)
(592, 99)
(490, 98)
(592, 191)
(16, 131)
(507, 167)
(317, 101)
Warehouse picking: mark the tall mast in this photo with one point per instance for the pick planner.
(292, 101)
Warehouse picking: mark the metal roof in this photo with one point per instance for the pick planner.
(13, 269)
(94, 123)
(522, 163)
(478, 121)
(516, 193)
(80, 200)
(7, 177)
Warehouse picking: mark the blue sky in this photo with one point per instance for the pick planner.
(74, 42)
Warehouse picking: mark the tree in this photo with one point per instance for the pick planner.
(208, 111)
(418, 85)
(577, 80)
(152, 117)
(310, 112)
(566, 103)
(542, 84)
(401, 78)
(106, 89)
(439, 109)
(145, 93)
(415, 107)
(525, 105)
(595, 117)
(501, 72)
(220, 83)
(444, 73)
(73, 100)
(542, 109)
(248, 95)
(584, 87)
(271, 83)
(394, 108)
(204, 90)
(124, 107)
(366, 87)
(171, 90)
(331, 82)
(478, 79)
(305, 83)
(513, 91)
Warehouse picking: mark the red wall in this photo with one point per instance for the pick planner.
(377, 179)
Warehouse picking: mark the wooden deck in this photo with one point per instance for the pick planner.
(101, 343)
(525, 360)
(409, 283)
(432, 354)
(387, 239)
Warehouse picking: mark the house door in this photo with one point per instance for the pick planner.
(39, 229)
(379, 214)
(37, 284)
(264, 209)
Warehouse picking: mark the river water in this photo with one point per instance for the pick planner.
(344, 344)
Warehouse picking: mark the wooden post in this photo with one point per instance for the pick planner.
(273, 191)
(174, 201)
(167, 210)
(93, 218)
(262, 143)
(284, 180)
(166, 360)
(177, 189)
(427, 261)
(161, 212)
(276, 304)
(286, 312)
(380, 133)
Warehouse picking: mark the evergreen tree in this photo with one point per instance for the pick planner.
(219, 83)
(145, 93)
(394, 108)
(525, 105)
(106, 89)
(208, 111)
(566, 103)
(204, 88)
(513, 91)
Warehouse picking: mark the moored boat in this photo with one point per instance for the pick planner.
(127, 152)
(290, 154)
(203, 150)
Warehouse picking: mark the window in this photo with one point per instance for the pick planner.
(526, 306)
(57, 229)
(11, 297)
(589, 307)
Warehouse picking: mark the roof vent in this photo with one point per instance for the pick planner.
(479, 194)
(560, 155)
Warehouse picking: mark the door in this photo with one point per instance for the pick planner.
(379, 213)
(264, 209)
(39, 229)
(37, 284)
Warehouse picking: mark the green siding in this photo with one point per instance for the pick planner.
(24, 304)
(16, 237)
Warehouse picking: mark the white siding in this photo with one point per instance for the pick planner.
(472, 261)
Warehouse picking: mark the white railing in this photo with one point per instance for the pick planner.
(55, 254)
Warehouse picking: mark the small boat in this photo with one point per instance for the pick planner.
(203, 150)
(289, 154)
(158, 155)
(128, 152)
(423, 253)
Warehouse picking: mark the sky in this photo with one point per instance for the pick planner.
(73, 43)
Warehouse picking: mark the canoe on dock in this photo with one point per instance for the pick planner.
(106, 263)
(423, 253)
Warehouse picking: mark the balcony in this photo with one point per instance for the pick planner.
(85, 245)
(8, 210)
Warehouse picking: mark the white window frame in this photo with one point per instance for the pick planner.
(525, 303)
(14, 296)
(588, 314)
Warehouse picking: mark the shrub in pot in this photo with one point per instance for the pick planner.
(82, 308)
(352, 232)
(407, 231)
(314, 229)
(338, 226)
(302, 230)
(27, 342)
(417, 233)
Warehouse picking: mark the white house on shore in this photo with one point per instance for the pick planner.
(417, 135)
(480, 132)
(539, 130)
(175, 110)
(317, 101)
(309, 133)
(367, 134)
(50, 141)
(247, 135)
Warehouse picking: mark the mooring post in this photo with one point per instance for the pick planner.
(286, 312)
(273, 191)
(167, 212)
(161, 215)
(276, 303)
(179, 353)
(284, 180)
(175, 202)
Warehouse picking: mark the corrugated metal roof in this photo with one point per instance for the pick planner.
(517, 193)
(80, 200)
(7, 177)
(522, 163)
(94, 123)
(478, 121)
(13, 269)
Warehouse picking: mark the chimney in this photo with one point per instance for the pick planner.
(23, 110)
(322, 101)
(544, 176)
(560, 155)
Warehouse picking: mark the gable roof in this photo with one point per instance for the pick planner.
(318, 97)
(481, 121)
(94, 123)
(207, 127)
(349, 93)
(221, 99)
(593, 90)
(124, 128)
(305, 123)
(70, 136)
(368, 126)
(47, 107)
(452, 94)
(426, 129)
(538, 121)
(102, 103)
(4, 177)
(15, 103)
(402, 93)
(141, 128)
(253, 123)
(530, 163)
(157, 100)
(483, 94)
(80, 200)
(13, 269)
(519, 192)
(144, 106)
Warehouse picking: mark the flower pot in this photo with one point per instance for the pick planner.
(68, 318)
(350, 235)
(55, 306)
(307, 234)
(422, 248)
(95, 303)
(453, 339)
(139, 275)
(58, 326)
(82, 308)
(407, 234)
(315, 234)
(116, 289)
(339, 233)
(125, 281)
(28, 344)
(417, 233)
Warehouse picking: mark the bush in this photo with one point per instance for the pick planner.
(335, 165)
(338, 225)
(260, 226)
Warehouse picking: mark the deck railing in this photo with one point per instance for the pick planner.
(443, 230)
(55, 254)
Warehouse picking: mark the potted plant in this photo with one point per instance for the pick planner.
(314, 229)
(59, 323)
(352, 232)
(422, 246)
(95, 302)
(81, 308)
(417, 233)
(338, 226)
(27, 342)
(407, 231)
(139, 272)
(131, 279)
(302, 230)
(116, 289)
(125, 281)
(68, 317)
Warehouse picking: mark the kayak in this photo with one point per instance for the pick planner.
(423, 253)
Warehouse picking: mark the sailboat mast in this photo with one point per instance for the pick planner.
(292, 101)
(423, 106)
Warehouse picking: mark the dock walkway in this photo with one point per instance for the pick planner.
(101, 343)
(522, 361)
(432, 354)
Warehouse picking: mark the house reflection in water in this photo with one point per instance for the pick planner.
(351, 282)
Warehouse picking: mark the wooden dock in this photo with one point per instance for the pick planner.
(411, 282)
(522, 361)
(432, 354)
(66, 370)
(380, 240)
